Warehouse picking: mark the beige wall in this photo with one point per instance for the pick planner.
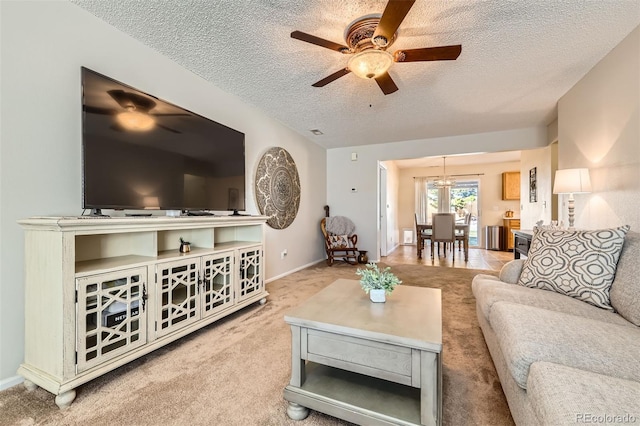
(531, 212)
(44, 44)
(599, 128)
(362, 206)
(393, 186)
(491, 206)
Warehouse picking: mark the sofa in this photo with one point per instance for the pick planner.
(563, 356)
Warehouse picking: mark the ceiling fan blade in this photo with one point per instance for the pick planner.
(168, 128)
(442, 53)
(97, 110)
(392, 17)
(169, 114)
(336, 75)
(299, 35)
(386, 83)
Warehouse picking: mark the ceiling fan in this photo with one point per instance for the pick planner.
(136, 112)
(368, 39)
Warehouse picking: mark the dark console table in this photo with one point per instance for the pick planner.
(521, 242)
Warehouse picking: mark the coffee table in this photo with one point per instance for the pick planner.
(364, 362)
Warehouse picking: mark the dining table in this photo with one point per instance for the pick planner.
(464, 227)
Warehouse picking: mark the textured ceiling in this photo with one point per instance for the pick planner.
(518, 58)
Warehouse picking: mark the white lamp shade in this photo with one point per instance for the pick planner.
(574, 181)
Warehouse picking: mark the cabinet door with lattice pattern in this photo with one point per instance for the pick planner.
(251, 280)
(217, 283)
(178, 294)
(111, 317)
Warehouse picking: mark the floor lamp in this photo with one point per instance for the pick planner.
(572, 181)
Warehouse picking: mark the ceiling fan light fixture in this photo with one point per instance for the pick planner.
(135, 121)
(371, 63)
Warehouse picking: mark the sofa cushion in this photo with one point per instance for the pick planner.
(528, 334)
(510, 272)
(490, 291)
(579, 264)
(625, 290)
(566, 395)
(484, 277)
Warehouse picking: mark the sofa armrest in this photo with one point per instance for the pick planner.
(510, 272)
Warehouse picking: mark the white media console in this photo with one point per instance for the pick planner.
(100, 292)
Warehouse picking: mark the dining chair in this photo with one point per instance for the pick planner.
(443, 226)
(460, 234)
(422, 235)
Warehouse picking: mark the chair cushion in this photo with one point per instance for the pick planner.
(579, 264)
(339, 241)
(625, 290)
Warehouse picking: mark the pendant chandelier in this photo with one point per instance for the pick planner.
(444, 181)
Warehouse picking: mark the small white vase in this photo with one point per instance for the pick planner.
(378, 296)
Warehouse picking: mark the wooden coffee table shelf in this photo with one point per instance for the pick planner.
(367, 363)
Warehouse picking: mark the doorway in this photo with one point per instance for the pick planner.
(462, 198)
(382, 216)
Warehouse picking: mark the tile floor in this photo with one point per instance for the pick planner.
(478, 258)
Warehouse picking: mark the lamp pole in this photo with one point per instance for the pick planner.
(571, 210)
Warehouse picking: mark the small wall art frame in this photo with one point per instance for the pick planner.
(533, 185)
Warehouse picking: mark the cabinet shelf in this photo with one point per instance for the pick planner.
(376, 400)
(233, 245)
(94, 266)
(175, 253)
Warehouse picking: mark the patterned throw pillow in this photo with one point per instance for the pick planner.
(338, 241)
(579, 264)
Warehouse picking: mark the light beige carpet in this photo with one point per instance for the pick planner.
(233, 372)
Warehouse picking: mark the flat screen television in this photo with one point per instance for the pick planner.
(140, 152)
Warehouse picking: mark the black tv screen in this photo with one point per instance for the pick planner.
(140, 152)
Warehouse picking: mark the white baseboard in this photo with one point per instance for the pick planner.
(293, 270)
(10, 382)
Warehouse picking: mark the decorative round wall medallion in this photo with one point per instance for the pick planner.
(277, 187)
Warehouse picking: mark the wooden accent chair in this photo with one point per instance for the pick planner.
(339, 246)
(422, 235)
(443, 231)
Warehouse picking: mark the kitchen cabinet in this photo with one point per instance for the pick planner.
(510, 225)
(511, 186)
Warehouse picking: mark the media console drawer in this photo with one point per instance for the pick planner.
(382, 360)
